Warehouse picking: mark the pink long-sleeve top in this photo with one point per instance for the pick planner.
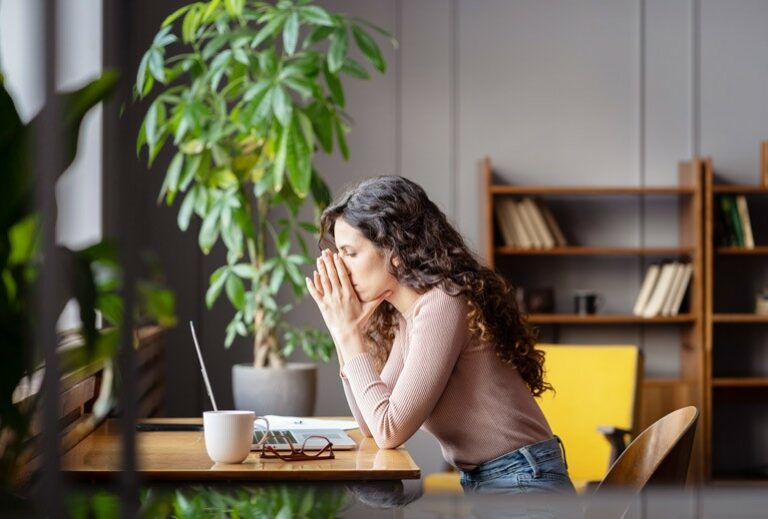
(439, 378)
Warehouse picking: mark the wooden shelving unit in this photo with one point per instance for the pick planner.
(735, 403)
(596, 251)
(607, 319)
(660, 395)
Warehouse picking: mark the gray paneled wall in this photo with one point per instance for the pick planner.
(607, 92)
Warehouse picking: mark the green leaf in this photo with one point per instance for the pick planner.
(230, 338)
(291, 33)
(150, 121)
(171, 183)
(341, 131)
(213, 46)
(300, 85)
(191, 23)
(355, 69)
(277, 278)
(316, 15)
(278, 166)
(337, 52)
(281, 105)
(235, 291)
(209, 231)
(142, 138)
(164, 38)
(215, 288)
(142, 73)
(244, 270)
(191, 166)
(323, 125)
(176, 14)
(316, 35)
(241, 56)
(186, 209)
(157, 66)
(212, 6)
(334, 85)
(369, 48)
(298, 162)
(256, 92)
(321, 193)
(271, 27)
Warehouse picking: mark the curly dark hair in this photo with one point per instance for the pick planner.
(397, 216)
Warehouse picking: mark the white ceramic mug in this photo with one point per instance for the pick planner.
(228, 435)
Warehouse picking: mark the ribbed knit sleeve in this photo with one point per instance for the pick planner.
(353, 407)
(436, 332)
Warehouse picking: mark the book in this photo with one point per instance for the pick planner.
(527, 218)
(524, 239)
(651, 275)
(666, 308)
(722, 230)
(682, 289)
(660, 290)
(746, 224)
(505, 224)
(548, 241)
(728, 204)
(552, 224)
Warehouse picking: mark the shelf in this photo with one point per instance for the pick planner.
(587, 190)
(740, 381)
(595, 251)
(757, 250)
(662, 382)
(606, 319)
(739, 318)
(740, 189)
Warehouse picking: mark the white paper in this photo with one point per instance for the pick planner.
(298, 423)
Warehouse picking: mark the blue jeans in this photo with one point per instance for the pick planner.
(540, 467)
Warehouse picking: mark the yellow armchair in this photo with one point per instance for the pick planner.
(594, 408)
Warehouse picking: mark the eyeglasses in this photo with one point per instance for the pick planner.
(300, 454)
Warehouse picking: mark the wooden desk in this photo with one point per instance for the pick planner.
(182, 456)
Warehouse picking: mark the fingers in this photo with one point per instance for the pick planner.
(341, 270)
(330, 269)
(325, 282)
(318, 283)
(312, 289)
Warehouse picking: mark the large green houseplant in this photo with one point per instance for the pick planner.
(247, 92)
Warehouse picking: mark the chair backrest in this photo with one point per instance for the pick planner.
(660, 455)
(594, 386)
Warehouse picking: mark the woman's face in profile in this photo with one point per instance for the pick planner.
(366, 264)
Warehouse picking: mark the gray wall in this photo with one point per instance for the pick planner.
(606, 92)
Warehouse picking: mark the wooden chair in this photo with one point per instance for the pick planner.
(659, 456)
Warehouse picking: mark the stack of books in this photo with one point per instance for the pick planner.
(733, 227)
(663, 289)
(528, 224)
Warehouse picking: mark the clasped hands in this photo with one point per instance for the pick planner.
(343, 312)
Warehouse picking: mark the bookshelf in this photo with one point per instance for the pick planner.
(736, 338)
(660, 394)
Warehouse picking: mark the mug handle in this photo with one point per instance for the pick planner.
(266, 434)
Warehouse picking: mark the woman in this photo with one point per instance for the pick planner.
(428, 337)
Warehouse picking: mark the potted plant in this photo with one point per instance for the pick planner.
(249, 93)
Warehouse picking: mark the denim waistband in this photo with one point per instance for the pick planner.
(529, 456)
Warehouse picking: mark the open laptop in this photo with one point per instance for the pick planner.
(339, 438)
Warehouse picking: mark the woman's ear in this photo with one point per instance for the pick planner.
(395, 261)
